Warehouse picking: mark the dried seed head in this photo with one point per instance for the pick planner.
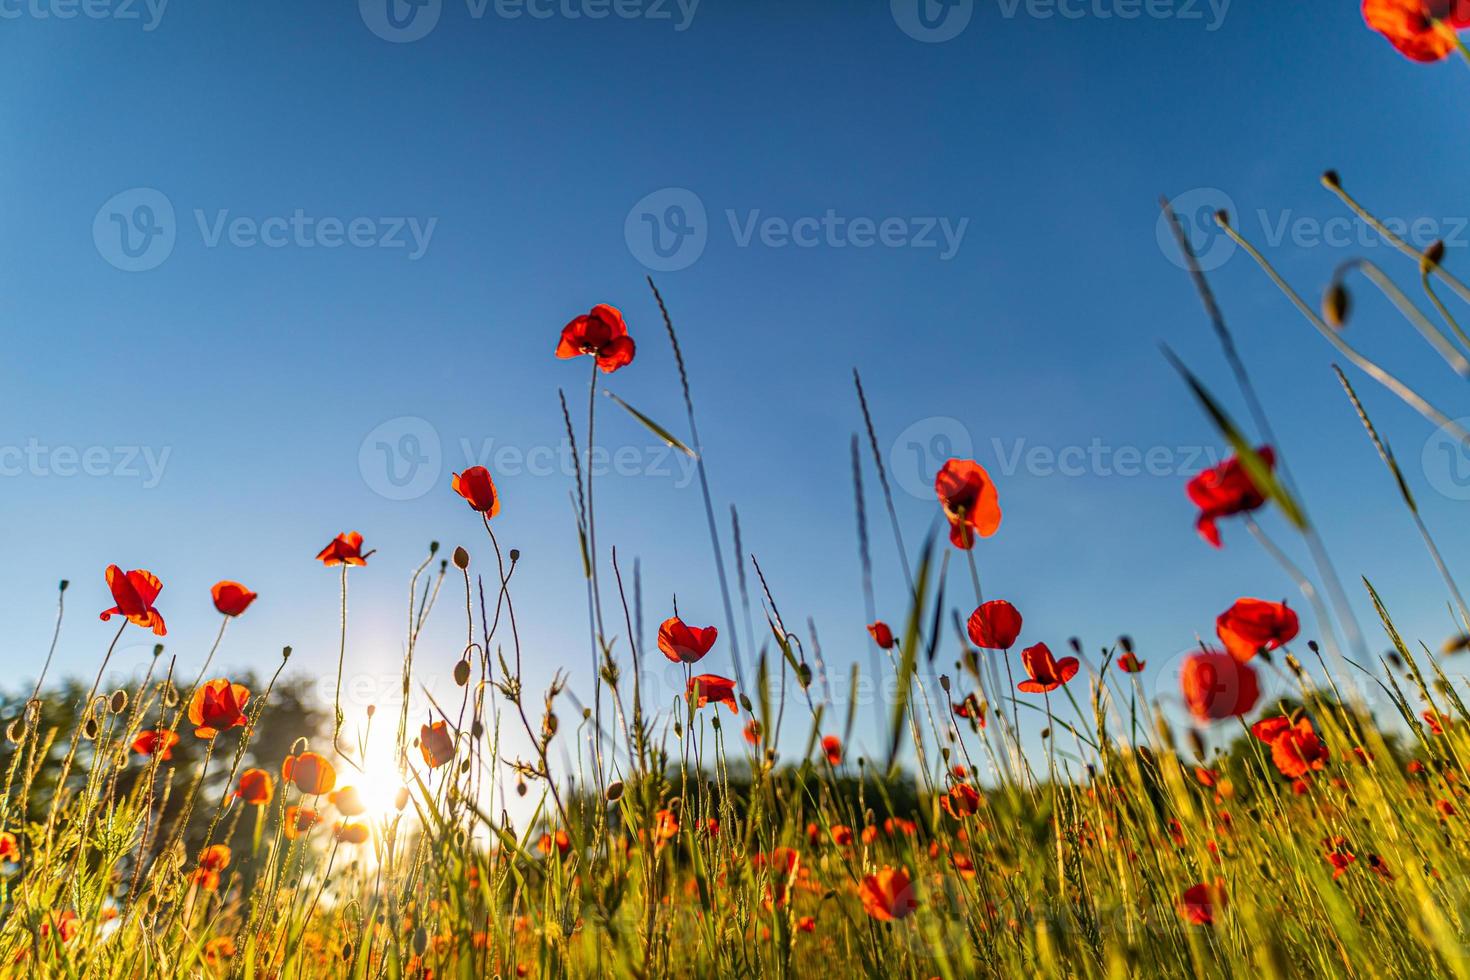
(1336, 305)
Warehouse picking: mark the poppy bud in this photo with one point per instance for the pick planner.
(745, 703)
(286, 653)
(515, 555)
(477, 728)
(804, 675)
(158, 649)
(400, 799)
(89, 730)
(1330, 179)
(64, 584)
(462, 673)
(170, 695)
(372, 709)
(1432, 257)
(715, 721)
(433, 547)
(1222, 217)
(944, 682)
(614, 791)
(1046, 733)
(13, 733)
(461, 559)
(1335, 306)
(1126, 642)
(119, 701)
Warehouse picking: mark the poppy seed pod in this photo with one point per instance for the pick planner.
(1432, 257)
(1335, 306)
(1330, 179)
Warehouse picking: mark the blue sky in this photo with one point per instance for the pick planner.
(296, 322)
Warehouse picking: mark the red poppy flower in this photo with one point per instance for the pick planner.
(215, 857)
(348, 801)
(1270, 729)
(231, 598)
(350, 833)
(300, 820)
(475, 486)
(897, 825)
(995, 625)
(1225, 490)
(1217, 686)
(218, 706)
(713, 689)
(961, 801)
(1298, 750)
(560, 842)
(1437, 722)
(888, 895)
(1129, 663)
(832, 749)
(1197, 904)
(685, 644)
(436, 744)
(881, 634)
(160, 743)
(752, 732)
(310, 772)
(1421, 30)
(255, 787)
(970, 501)
(1253, 625)
(1047, 672)
(602, 334)
(134, 593)
(1206, 777)
(806, 924)
(971, 707)
(344, 549)
(9, 847)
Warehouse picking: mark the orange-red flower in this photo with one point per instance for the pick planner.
(842, 835)
(218, 706)
(256, 787)
(300, 820)
(1225, 490)
(350, 833)
(970, 501)
(1252, 625)
(881, 634)
(310, 772)
(158, 742)
(1129, 663)
(971, 707)
(685, 644)
(436, 744)
(995, 625)
(344, 549)
(752, 732)
(963, 800)
(9, 847)
(1295, 749)
(231, 598)
(348, 801)
(561, 843)
(602, 334)
(475, 486)
(134, 593)
(713, 689)
(1198, 903)
(215, 857)
(1217, 686)
(832, 749)
(1047, 672)
(665, 826)
(806, 924)
(888, 895)
(1421, 30)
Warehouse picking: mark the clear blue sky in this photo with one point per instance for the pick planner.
(527, 142)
